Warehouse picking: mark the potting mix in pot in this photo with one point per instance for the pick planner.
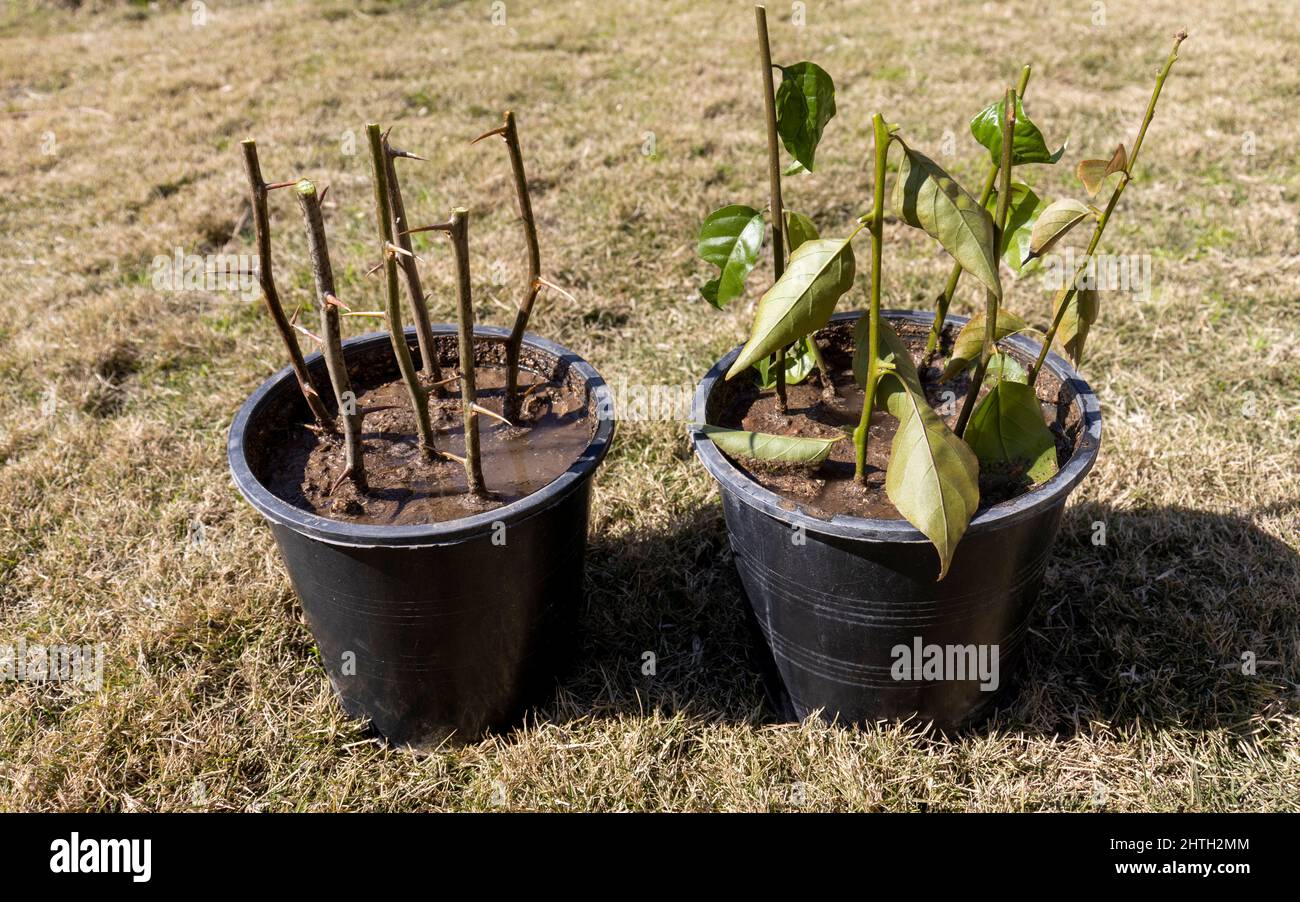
(398, 472)
(416, 445)
(893, 482)
(880, 420)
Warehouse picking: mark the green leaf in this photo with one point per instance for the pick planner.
(799, 363)
(1004, 367)
(801, 301)
(1093, 172)
(798, 229)
(928, 198)
(933, 478)
(730, 239)
(794, 167)
(709, 291)
(805, 102)
(1053, 224)
(764, 446)
(1021, 216)
(1027, 144)
(1078, 318)
(968, 344)
(1007, 428)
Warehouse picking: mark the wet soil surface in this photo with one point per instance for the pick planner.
(830, 489)
(407, 488)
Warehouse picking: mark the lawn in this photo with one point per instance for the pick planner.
(1164, 665)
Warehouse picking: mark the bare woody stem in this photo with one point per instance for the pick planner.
(419, 305)
(465, 338)
(774, 180)
(950, 287)
(349, 410)
(393, 306)
(1067, 292)
(861, 435)
(515, 342)
(990, 298)
(262, 228)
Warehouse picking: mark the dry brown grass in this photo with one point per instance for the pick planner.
(214, 697)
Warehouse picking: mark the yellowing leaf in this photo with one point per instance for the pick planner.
(1093, 172)
(1078, 318)
(933, 477)
(765, 446)
(969, 342)
(1053, 224)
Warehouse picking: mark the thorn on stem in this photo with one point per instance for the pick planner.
(545, 282)
(499, 130)
(338, 482)
(489, 413)
(311, 335)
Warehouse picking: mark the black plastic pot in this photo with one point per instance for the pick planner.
(833, 610)
(435, 631)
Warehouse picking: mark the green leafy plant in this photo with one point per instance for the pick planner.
(933, 472)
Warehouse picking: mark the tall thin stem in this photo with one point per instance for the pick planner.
(384, 220)
(1067, 291)
(516, 340)
(349, 409)
(262, 228)
(861, 435)
(774, 180)
(991, 298)
(419, 304)
(465, 337)
(950, 288)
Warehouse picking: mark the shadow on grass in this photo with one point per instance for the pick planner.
(1158, 628)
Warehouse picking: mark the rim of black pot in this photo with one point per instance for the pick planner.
(997, 516)
(341, 532)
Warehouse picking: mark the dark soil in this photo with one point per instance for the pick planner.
(405, 487)
(830, 489)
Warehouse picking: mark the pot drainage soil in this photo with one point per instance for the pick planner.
(830, 489)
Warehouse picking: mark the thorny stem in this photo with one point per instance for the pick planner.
(950, 288)
(1067, 291)
(516, 340)
(419, 304)
(861, 435)
(459, 231)
(991, 298)
(262, 228)
(349, 411)
(384, 219)
(774, 179)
